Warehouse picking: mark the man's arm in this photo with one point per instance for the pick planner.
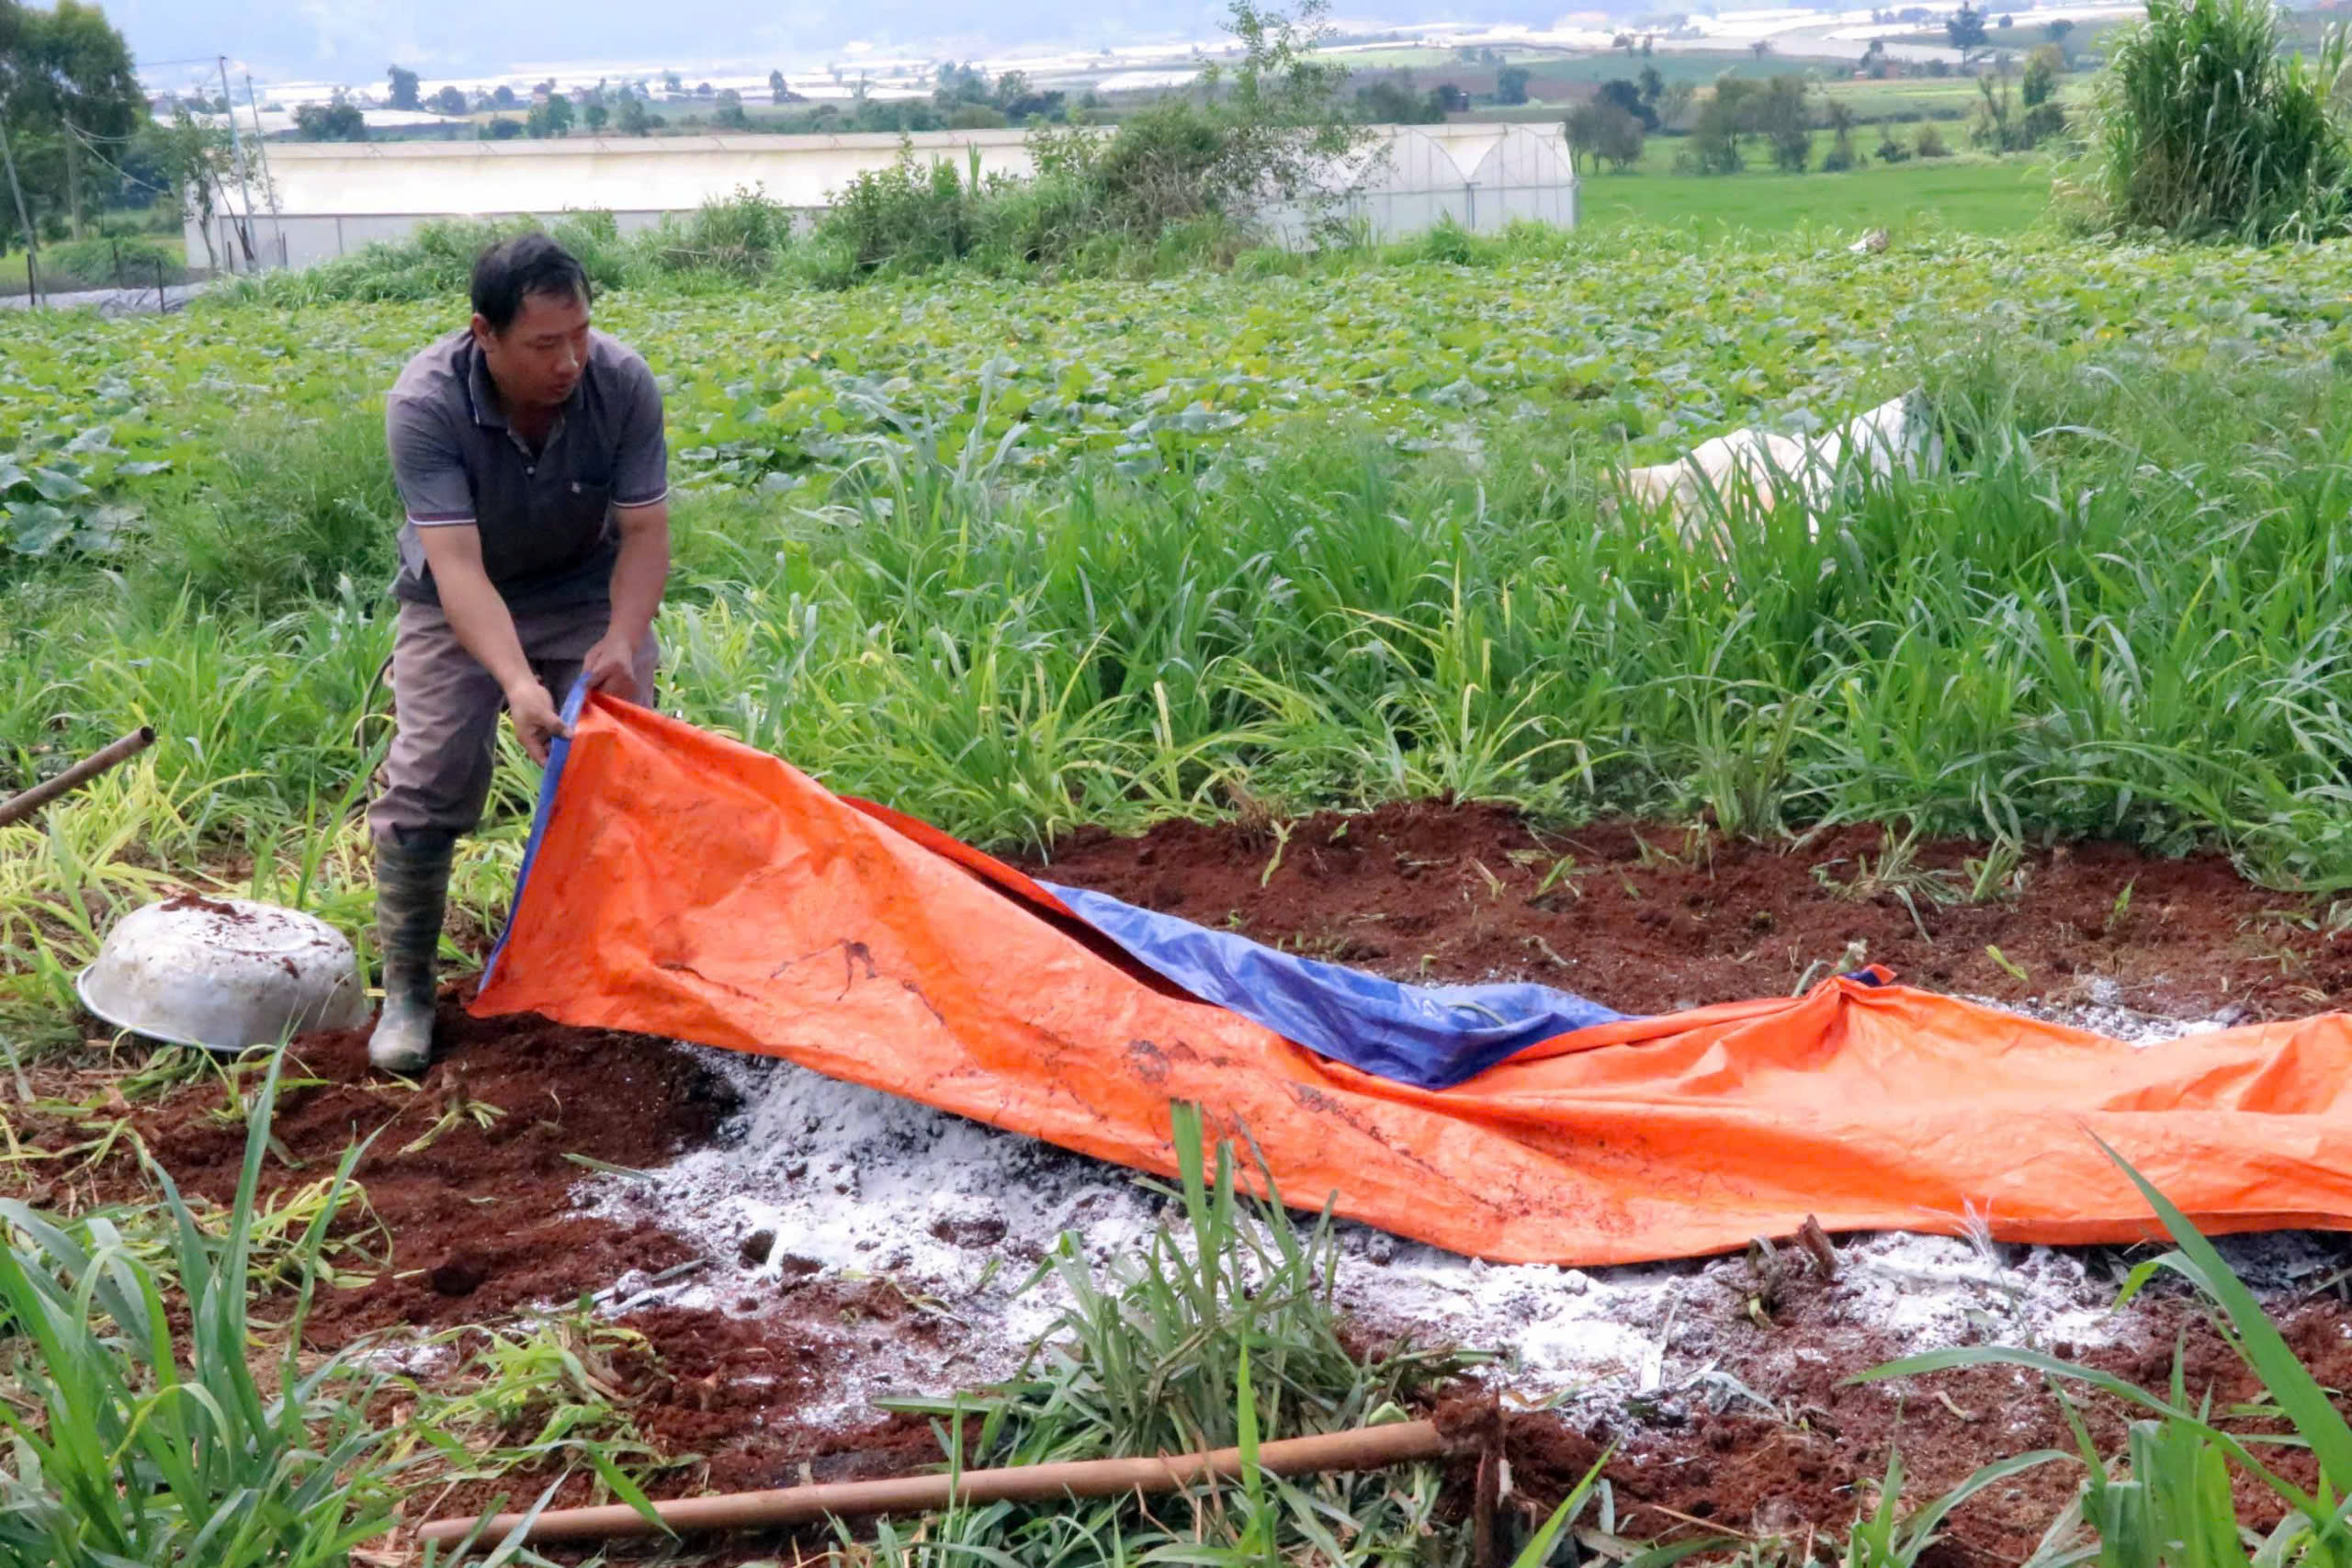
(486, 629)
(640, 576)
(642, 508)
(439, 498)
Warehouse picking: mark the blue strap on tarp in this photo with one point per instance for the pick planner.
(558, 750)
(1431, 1036)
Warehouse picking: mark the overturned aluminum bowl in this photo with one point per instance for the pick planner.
(224, 974)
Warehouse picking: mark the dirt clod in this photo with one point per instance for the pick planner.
(462, 1273)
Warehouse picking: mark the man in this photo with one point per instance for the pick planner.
(530, 460)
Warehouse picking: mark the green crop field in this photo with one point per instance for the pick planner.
(1019, 552)
(1957, 195)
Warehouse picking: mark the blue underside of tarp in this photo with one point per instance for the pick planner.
(1431, 1036)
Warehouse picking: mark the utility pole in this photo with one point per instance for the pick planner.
(33, 245)
(261, 158)
(237, 144)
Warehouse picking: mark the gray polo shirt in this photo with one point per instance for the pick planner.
(546, 518)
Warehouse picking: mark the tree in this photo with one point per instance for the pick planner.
(2007, 21)
(1890, 151)
(504, 97)
(67, 88)
(2041, 69)
(1628, 96)
(1842, 153)
(550, 118)
(1604, 130)
(502, 130)
(330, 122)
(1510, 84)
(1994, 128)
(1965, 28)
(449, 101)
(403, 88)
(1674, 104)
(1392, 100)
(1450, 99)
(729, 115)
(1783, 120)
(1277, 129)
(594, 116)
(1761, 47)
(1653, 87)
(778, 93)
(672, 85)
(2057, 31)
(633, 119)
(196, 163)
(1724, 119)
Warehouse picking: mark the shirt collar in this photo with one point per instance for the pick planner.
(481, 392)
(484, 392)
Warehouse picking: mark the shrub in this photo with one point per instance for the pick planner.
(437, 261)
(1606, 131)
(2205, 128)
(1931, 142)
(1890, 151)
(108, 262)
(907, 216)
(294, 511)
(742, 235)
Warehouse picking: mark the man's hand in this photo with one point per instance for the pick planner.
(537, 722)
(611, 666)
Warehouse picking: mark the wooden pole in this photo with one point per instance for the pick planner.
(1365, 1447)
(32, 244)
(16, 808)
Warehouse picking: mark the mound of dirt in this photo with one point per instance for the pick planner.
(1648, 918)
(472, 1176)
(482, 1183)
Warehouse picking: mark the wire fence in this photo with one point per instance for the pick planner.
(147, 271)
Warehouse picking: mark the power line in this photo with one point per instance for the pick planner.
(88, 141)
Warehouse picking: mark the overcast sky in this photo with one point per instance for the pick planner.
(352, 40)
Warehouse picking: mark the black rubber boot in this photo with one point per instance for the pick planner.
(412, 887)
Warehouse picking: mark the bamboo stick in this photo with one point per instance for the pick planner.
(16, 808)
(1364, 1447)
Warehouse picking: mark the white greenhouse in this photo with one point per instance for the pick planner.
(319, 200)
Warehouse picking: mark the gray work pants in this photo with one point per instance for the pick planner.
(447, 708)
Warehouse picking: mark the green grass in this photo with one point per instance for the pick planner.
(1957, 194)
(1333, 530)
(2169, 1498)
(135, 1443)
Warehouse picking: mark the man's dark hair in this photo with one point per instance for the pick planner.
(514, 269)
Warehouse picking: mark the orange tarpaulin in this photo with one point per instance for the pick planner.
(689, 886)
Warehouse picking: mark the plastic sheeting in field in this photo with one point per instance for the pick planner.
(686, 885)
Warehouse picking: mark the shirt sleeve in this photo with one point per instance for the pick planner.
(426, 466)
(641, 467)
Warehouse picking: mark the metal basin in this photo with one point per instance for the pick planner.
(223, 973)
